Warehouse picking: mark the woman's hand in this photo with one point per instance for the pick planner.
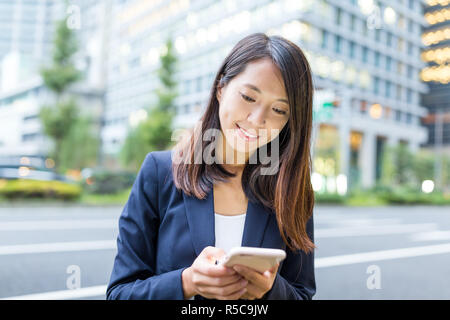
(211, 281)
(258, 283)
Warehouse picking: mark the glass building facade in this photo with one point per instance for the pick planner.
(436, 37)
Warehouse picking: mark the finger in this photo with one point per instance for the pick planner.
(225, 291)
(201, 279)
(275, 268)
(213, 270)
(250, 274)
(247, 296)
(235, 296)
(213, 252)
(254, 292)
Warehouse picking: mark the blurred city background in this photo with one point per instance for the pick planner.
(88, 88)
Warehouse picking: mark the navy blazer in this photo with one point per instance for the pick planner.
(162, 231)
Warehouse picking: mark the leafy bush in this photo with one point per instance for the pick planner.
(366, 198)
(26, 188)
(329, 198)
(108, 182)
(385, 195)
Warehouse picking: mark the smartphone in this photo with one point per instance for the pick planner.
(260, 259)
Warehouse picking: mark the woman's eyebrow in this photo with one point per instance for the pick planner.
(251, 86)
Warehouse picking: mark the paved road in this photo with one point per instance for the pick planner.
(362, 253)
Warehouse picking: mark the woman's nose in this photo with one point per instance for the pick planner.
(258, 117)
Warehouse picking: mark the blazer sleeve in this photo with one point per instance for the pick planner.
(133, 275)
(296, 279)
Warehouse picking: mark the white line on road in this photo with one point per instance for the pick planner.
(381, 255)
(58, 247)
(431, 236)
(373, 230)
(58, 224)
(63, 294)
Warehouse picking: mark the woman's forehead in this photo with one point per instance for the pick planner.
(264, 77)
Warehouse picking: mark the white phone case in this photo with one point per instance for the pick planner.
(260, 259)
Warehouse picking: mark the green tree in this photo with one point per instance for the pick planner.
(423, 166)
(70, 131)
(79, 148)
(397, 166)
(154, 133)
(58, 119)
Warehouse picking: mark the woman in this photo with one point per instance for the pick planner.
(185, 211)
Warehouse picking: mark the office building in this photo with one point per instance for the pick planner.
(366, 54)
(436, 37)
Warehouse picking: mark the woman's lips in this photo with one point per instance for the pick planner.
(245, 135)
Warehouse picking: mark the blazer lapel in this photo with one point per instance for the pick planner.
(200, 217)
(255, 224)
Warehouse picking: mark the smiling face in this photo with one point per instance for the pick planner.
(255, 102)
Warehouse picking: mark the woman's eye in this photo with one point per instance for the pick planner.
(247, 98)
(279, 111)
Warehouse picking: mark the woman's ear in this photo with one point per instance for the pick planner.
(219, 90)
(219, 94)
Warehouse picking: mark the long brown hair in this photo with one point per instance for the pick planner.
(289, 192)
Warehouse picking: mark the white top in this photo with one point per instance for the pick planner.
(229, 231)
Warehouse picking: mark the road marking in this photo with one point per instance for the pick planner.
(431, 236)
(363, 222)
(58, 247)
(63, 294)
(373, 230)
(58, 224)
(381, 255)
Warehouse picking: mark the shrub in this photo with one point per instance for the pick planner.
(108, 182)
(329, 198)
(27, 188)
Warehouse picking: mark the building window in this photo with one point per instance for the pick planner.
(398, 116)
(324, 39)
(388, 63)
(376, 85)
(399, 92)
(338, 16)
(363, 107)
(399, 68)
(377, 34)
(410, 26)
(410, 72)
(365, 53)
(400, 45)
(337, 44)
(388, 89)
(387, 112)
(352, 49)
(199, 84)
(408, 118)
(389, 39)
(377, 59)
(409, 94)
(29, 137)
